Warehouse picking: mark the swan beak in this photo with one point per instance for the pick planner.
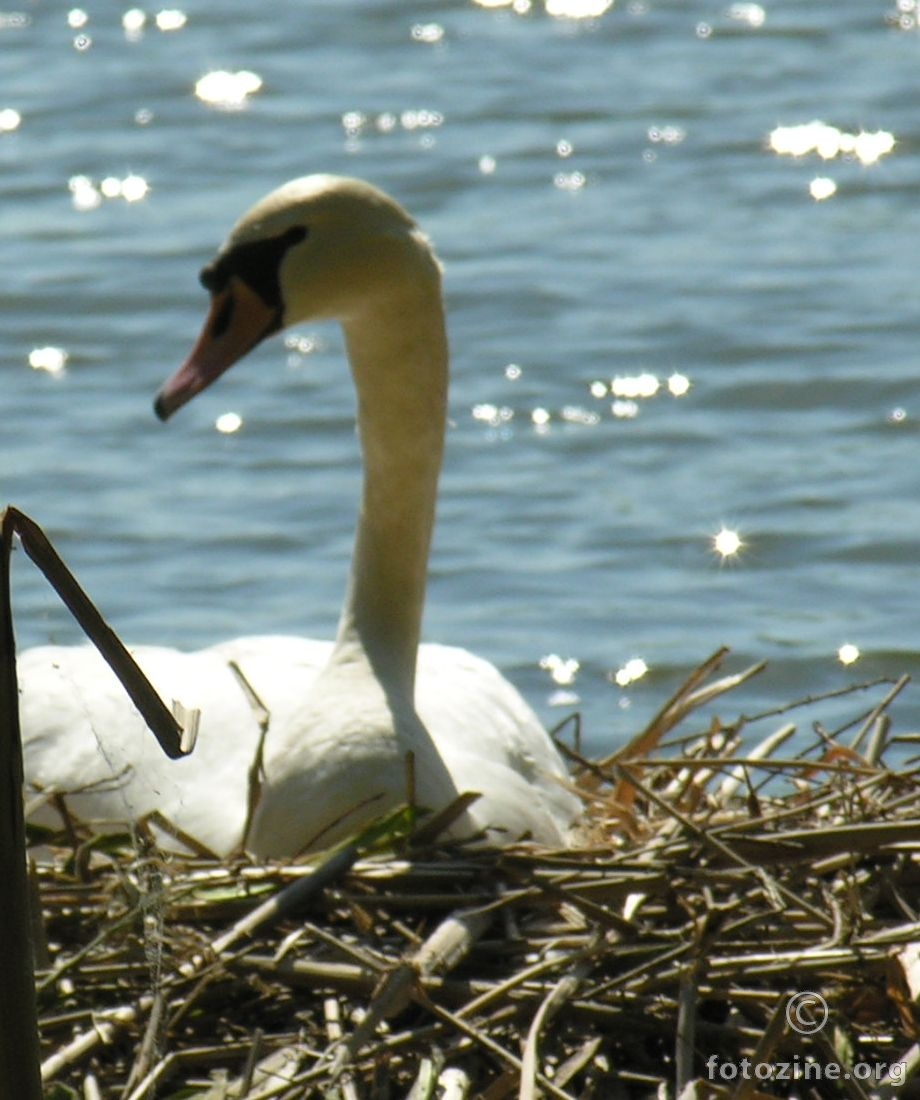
(237, 320)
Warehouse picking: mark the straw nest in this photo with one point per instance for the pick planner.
(722, 873)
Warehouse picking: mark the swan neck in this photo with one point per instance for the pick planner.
(398, 357)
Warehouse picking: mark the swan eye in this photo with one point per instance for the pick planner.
(256, 263)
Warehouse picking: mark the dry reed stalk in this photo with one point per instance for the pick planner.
(19, 1052)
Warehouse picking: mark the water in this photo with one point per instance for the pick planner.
(604, 200)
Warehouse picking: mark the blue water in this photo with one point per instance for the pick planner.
(605, 202)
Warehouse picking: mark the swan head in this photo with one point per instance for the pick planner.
(317, 248)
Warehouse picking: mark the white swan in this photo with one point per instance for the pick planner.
(344, 716)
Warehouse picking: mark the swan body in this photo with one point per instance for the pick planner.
(343, 717)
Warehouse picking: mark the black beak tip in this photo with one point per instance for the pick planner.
(159, 407)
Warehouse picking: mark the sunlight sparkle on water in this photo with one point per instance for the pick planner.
(569, 181)
(134, 188)
(227, 90)
(493, 415)
(628, 390)
(624, 410)
(87, 195)
(428, 33)
(563, 670)
(848, 654)
(726, 543)
(752, 14)
(357, 124)
(575, 414)
(829, 142)
(635, 385)
(353, 122)
(300, 344)
(421, 119)
(133, 22)
(9, 120)
(905, 15)
(228, 423)
(171, 19)
(50, 359)
(633, 670)
(577, 9)
(83, 193)
(666, 135)
(821, 188)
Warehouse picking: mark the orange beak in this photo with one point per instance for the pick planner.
(237, 320)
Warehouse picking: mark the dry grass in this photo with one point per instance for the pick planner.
(720, 874)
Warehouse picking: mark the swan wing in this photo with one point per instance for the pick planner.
(82, 736)
(493, 743)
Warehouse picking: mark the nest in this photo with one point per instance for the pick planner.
(740, 920)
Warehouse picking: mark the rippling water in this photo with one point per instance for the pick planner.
(611, 216)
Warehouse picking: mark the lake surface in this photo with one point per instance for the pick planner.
(664, 323)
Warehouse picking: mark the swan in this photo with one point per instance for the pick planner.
(343, 718)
